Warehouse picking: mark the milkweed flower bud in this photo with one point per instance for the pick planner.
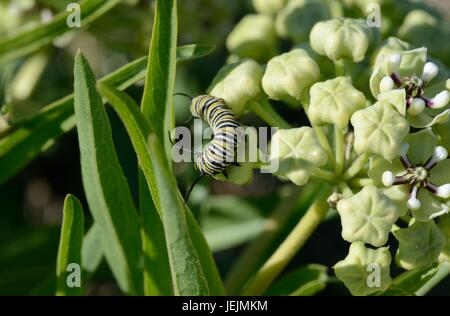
(288, 76)
(422, 28)
(296, 20)
(367, 216)
(379, 129)
(359, 264)
(253, 37)
(334, 101)
(341, 38)
(268, 6)
(238, 84)
(298, 152)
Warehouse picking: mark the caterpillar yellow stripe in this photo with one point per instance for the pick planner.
(220, 152)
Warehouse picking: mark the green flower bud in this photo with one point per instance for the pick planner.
(253, 37)
(341, 38)
(298, 152)
(334, 101)
(419, 245)
(357, 270)
(289, 75)
(379, 129)
(421, 28)
(238, 84)
(268, 6)
(296, 20)
(326, 66)
(367, 216)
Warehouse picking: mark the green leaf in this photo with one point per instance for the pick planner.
(231, 221)
(304, 281)
(92, 252)
(193, 51)
(160, 78)
(207, 262)
(30, 40)
(29, 138)
(409, 282)
(193, 270)
(157, 277)
(105, 185)
(69, 251)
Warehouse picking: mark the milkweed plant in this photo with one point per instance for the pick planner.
(375, 137)
(372, 83)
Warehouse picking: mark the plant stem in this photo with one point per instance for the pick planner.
(443, 272)
(345, 189)
(290, 246)
(335, 8)
(361, 182)
(339, 67)
(339, 147)
(324, 174)
(264, 110)
(323, 140)
(254, 253)
(355, 167)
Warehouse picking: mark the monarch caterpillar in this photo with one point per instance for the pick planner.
(220, 152)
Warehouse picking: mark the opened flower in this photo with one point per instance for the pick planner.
(424, 169)
(405, 77)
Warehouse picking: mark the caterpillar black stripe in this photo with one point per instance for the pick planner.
(221, 151)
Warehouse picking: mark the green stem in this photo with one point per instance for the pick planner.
(290, 246)
(339, 67)
(355, 167)
(339, 147)
(265, 111)
(324, 174)
(360, 182)
(323, 140)
(345, 189)
(443, 272)
(336, 9)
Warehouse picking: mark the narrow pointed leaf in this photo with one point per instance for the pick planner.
(160, 77)
(69, 251)
(105, 185)
(92, 252)
(157, 277)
